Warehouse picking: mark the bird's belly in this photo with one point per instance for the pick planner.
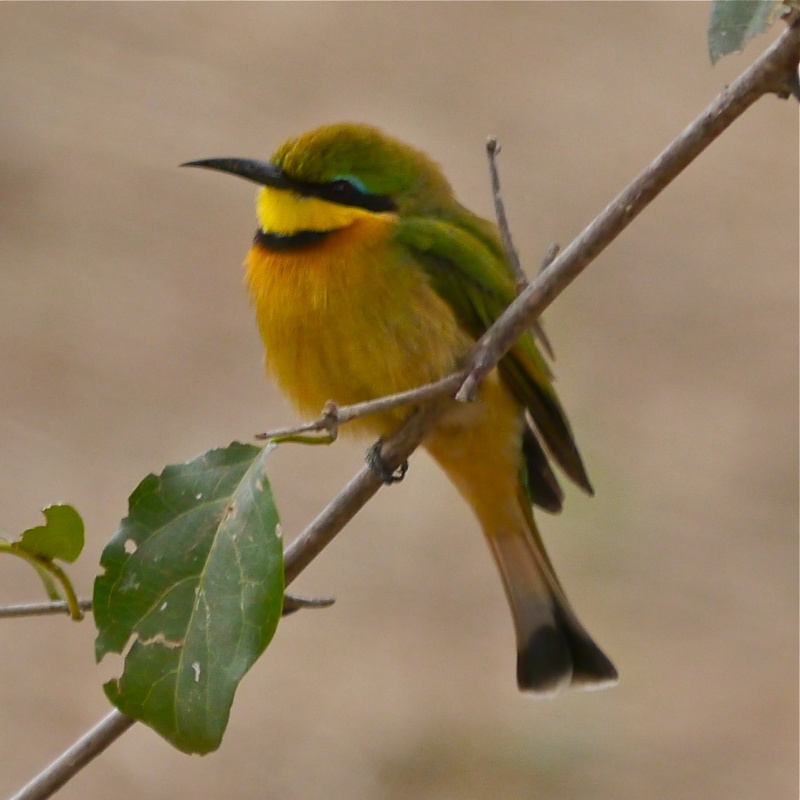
(351, 321)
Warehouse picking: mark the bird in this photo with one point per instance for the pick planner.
(369, 278)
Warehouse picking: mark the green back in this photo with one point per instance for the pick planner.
(464, 260)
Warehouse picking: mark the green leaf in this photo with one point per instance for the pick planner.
(733, 23)
(194, 577)
(60, 537)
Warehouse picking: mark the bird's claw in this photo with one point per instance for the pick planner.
(376, 463)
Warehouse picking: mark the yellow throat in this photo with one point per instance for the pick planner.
(284, 213)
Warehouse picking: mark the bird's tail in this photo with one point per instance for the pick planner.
(554, 650)
(478, 446)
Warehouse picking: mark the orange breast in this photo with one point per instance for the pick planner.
(351, 318)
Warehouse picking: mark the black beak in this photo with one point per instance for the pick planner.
(260, 172)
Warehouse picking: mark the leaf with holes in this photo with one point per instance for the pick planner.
(194, 581)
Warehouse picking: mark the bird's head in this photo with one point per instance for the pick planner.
(328, 177)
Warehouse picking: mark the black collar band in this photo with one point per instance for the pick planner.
(293, 241)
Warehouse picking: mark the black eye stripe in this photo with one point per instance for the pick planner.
(344, 193)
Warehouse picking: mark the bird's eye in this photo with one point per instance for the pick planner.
(341, 190)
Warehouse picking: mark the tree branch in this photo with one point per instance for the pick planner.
(72, 761)
(41, 609)
(770, 73)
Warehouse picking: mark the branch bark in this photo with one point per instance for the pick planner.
(73, 760)
(41, 609)
(770, 73)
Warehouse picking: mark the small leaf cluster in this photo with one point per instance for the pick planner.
(60, 538)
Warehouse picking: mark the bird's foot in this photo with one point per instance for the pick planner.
(376, 463)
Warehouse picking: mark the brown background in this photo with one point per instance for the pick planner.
(127, 342)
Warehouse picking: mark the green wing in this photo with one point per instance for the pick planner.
(465, 264)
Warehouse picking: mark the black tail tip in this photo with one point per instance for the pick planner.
(592, 668)
(550, 662)
(544, 664)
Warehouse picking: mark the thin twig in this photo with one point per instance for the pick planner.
(492, 150)
(41, 609)
(291, 603)
(537, 328)
(549, 256)
(335, 415)
(767, 74)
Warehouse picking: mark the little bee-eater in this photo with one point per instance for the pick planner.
(370, 278)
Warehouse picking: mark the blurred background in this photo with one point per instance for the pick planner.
(128, 343)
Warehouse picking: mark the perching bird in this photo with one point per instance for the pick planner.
(370, 278)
